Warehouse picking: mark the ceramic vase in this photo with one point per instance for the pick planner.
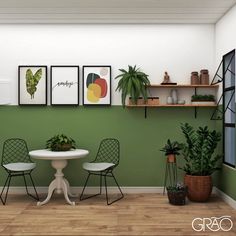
(169, 100)
(174, 96)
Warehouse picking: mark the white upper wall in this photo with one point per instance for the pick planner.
(178, 49)
(225, 34)
(225, 37)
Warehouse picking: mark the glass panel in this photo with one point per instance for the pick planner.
(230, 111)
(229, 70)
(230, 145)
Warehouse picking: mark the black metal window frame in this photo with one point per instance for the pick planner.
(225, 90)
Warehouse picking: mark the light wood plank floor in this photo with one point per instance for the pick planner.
(136, 214)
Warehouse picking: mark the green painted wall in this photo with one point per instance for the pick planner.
(141, 164)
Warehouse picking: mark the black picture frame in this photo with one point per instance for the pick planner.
(66, 85)
(105, 99)
(26, 98)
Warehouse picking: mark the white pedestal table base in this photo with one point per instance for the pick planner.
(59, 184)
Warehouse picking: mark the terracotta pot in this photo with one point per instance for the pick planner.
(199, 187)
(204, 77)
(195, 78)
(171, 158)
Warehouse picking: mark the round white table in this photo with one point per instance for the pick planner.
(59, 162)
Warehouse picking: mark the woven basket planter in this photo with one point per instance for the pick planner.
(177, 197)
(199, 187)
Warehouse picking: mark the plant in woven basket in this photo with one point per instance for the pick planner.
(177, 194)
(200, 160)
(133, 82)
(60, 142)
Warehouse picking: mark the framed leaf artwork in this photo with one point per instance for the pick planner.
(64, 85)
(32, 85)
(97, 85)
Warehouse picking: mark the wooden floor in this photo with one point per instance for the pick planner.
(136, 214)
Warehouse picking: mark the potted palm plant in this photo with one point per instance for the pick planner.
(198, 152)
(171, 150)
(60, 142)
(133, 83)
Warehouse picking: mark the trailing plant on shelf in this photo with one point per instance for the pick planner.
(210, 98)
(60, 142)
(133, 82)
(200, 160)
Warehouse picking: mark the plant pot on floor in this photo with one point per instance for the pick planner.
(199, 187)
(177, 196)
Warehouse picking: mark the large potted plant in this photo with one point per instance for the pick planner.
(133, 83)
(198, 152)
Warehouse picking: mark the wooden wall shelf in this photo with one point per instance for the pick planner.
(172, 105)
(182, 86)
(190, 86)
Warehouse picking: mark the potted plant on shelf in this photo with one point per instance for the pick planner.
(198, 152)
(171, 150)
(177, 194)
(207, 99)
(60, 142)
(133, 82)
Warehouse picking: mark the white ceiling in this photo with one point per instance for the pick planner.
(113, 11)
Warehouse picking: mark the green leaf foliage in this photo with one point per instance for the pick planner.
(133, 83)
(198, 151)
(206, 97)
(32, 81)
(54, 143)
(171, 148)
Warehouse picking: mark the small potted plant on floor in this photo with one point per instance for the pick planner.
(177, 194)
(60, 142)
(171, 150)
(207, 100)
(133, 83)
(198, 152)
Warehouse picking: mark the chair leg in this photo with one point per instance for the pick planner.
(105, 180)
(1, 200)
(27, 191)
(166, 174)
(7, 183)
(85, 185)
(122, 195)
(100, 183)
(37, 196)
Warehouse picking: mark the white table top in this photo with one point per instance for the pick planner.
(45, 154)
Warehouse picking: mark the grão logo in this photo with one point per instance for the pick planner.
(223, 223)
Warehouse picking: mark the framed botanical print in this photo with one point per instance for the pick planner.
(97, 85)
(64, 85)
(32, 85)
